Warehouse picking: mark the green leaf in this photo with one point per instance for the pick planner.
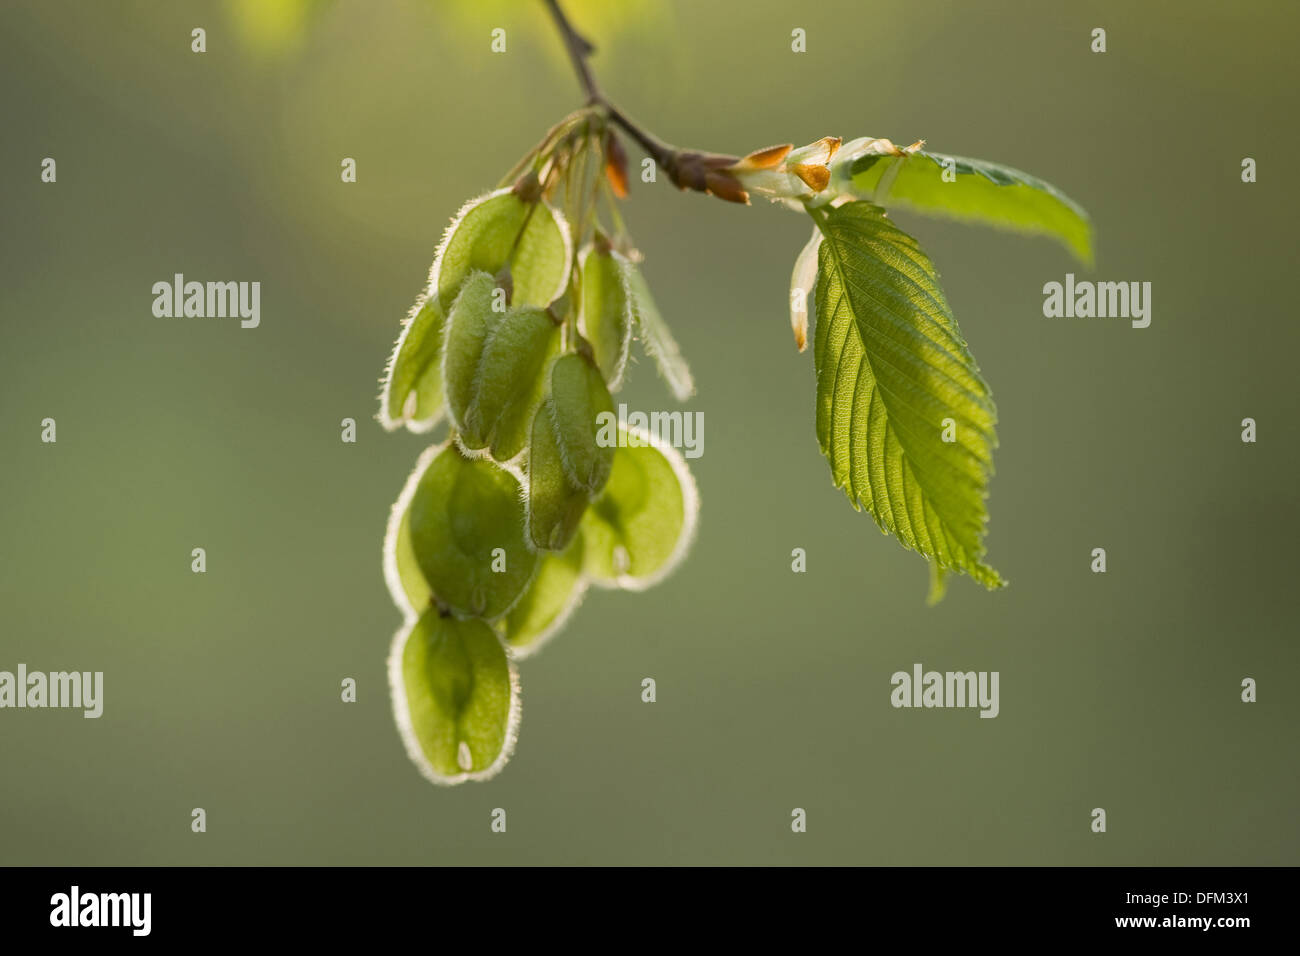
(657, 339)
(555, 593)
(641, 526)
(555, 501)
(455, 697)
(510, 381)
(412, 390)
(469, 323)
(606, 316)
(891, 367)
(499, 229)
(467, 532)
(581, 408)
(980, 192)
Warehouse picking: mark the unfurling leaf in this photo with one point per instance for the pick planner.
(802, 282)
(788, 175)
(894, 377)
(555, 592)
(641, 525)
(658, 340)
(579, 403)
(509, 382)
(938, 585)
(606, 317)
(973, 191)
(455, 697)
(467, 533)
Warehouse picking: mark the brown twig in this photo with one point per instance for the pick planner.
(688, 169)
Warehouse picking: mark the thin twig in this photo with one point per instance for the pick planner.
(661, 152)
(579, 49)
(688, 169)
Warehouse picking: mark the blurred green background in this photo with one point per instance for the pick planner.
(222, 689)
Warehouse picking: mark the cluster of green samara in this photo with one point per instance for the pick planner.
(523, 332)
(519, 340)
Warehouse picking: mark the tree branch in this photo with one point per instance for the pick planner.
(688, 169)
(578, 48)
